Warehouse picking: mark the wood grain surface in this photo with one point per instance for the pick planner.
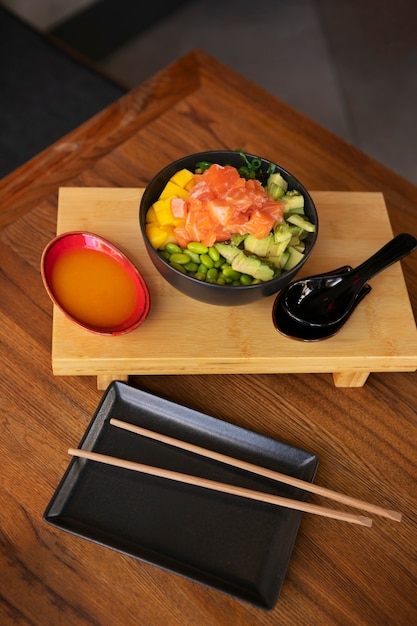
(365, 438)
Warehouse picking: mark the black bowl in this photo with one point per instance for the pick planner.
(225, 295)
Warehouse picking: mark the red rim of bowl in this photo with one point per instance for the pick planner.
(70, 240)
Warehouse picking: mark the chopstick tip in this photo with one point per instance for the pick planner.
(395, 515)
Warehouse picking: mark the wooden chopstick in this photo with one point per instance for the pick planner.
(262, 471)
(222, 487)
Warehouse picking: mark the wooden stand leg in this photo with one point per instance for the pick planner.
(104, 380)
(350, 379)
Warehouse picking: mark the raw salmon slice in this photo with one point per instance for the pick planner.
(222, 203)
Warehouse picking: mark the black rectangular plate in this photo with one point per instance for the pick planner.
(238, 546)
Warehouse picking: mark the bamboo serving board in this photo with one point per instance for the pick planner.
(184, 336)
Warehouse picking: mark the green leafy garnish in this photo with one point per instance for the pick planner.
(249, 169)
(201, 166)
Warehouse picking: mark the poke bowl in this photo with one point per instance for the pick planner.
(227, 227)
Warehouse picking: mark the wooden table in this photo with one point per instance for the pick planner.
(365, 437)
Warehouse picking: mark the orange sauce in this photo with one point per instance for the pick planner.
(93, 288)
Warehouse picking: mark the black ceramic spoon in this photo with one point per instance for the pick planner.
(324, 302)
(290, 327)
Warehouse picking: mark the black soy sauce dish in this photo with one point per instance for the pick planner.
(290, 327)
(315, 308)
(297, 330)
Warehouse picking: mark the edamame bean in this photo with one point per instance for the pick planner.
(245, 279)
(212, 273)
(229, 272)
(179, 267)
(172, 248)
(197, 247)
(206, 260)
(195, 258)
(214, 254)
(191, 266)
(180, 258)
(206, 265)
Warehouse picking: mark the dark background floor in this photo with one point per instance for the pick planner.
(351, 65)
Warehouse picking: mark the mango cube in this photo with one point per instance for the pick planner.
(156, 235)
(162, 211)
(169, 230)
(182, 178)
(172, 190)
(150, 215)
(160, 222)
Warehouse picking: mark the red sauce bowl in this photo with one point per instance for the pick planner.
(94, 283)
